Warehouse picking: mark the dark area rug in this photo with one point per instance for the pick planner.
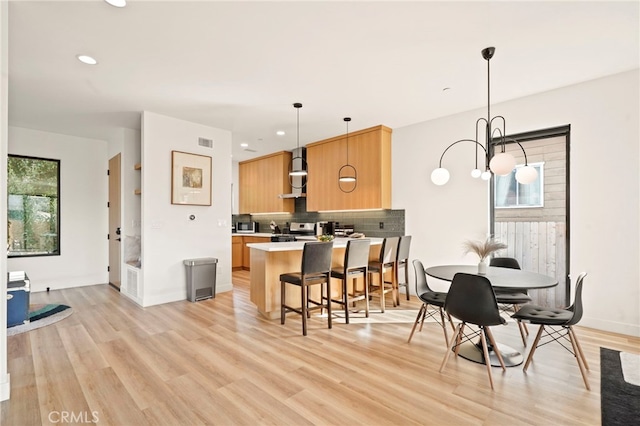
(40, 316)
(620, 401)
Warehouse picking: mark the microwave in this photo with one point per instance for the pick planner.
(247, 227)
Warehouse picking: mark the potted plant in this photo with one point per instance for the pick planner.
(483, 250)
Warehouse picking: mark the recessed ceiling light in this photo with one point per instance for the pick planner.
(280, 133)
(117, 3)
(244, 145)
(87, 59)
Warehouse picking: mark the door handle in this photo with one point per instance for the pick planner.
(118, 239)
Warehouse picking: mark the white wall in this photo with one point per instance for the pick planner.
(168, 236)
(604, 190)
(83, 255)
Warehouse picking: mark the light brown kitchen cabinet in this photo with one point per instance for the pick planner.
(262, 180)
(236, 252)
(369, 153)
(246, 251)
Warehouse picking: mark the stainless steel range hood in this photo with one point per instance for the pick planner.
(297, 180)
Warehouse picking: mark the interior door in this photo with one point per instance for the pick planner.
(114, 222)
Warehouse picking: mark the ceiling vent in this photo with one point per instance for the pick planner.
(208, 143)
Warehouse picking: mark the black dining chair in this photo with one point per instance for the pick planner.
(356, 261)
(429, 297)
(510, 300)
(556, 325)
(315, 270)
(471, 300)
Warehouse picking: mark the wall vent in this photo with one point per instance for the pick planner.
(132, 282)
(205, 142)
(250, 150)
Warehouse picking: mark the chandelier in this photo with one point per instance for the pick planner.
(502, 163)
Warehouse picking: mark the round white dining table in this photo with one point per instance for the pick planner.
(502, 278)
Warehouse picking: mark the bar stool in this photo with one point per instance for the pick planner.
(386, 262)
(402, 261)
(315, 269)
(356, 261)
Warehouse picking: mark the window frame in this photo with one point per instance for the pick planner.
(540, 168)
(58, 246)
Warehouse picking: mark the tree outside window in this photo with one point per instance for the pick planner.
(33, 188)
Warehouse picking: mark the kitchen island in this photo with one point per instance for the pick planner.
(269, 260)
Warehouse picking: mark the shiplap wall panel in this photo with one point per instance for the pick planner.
(538, 247)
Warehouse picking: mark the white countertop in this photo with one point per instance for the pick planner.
(252, 234)
(298, 245)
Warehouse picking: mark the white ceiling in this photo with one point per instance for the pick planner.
(241, 65)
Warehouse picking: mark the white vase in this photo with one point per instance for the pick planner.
(482, 267)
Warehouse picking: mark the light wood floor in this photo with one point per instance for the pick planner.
(218, 362)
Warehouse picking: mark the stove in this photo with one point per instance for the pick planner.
(282, 238)
(302, 228)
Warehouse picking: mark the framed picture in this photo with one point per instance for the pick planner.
(190, 179)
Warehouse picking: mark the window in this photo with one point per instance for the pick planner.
(33, 188)
(511, 194)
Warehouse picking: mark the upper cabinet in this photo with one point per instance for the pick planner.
(369, 153)
(261, 181)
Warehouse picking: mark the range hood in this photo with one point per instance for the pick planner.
(297, 180)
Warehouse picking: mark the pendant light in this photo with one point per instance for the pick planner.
(502, 162)
(298, 166)
(347, 173)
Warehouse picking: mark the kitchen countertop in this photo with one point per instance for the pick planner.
(340, 242)
(250, 234)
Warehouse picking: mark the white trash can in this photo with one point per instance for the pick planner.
(201, 278)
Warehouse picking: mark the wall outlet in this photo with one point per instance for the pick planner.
(381, 225)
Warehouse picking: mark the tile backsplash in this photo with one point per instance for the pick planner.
(372, 223)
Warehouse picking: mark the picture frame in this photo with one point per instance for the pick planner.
(190, 179)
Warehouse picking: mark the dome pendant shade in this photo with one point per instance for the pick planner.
(526, 174)
(440, 176)
(502, 164)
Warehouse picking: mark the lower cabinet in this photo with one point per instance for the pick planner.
(236, 253)
(240, 253)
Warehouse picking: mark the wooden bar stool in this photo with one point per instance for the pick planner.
(315, 270)
(402, 262)
(385, 263)
(356, 261)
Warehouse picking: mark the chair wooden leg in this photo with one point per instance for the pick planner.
(415, 324)
(329, 315)
(366, 295)
(533, 347)
(575, 339)
(523, 333)
(381, 290)
(444, 326)
(424, 315)
(495, 347)
(406, 279)
(487, 360)
(304, 310)
(282, 300)
(578, 356)
(459, 340)
(453, 327)
(454, 338)
(345, 300)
